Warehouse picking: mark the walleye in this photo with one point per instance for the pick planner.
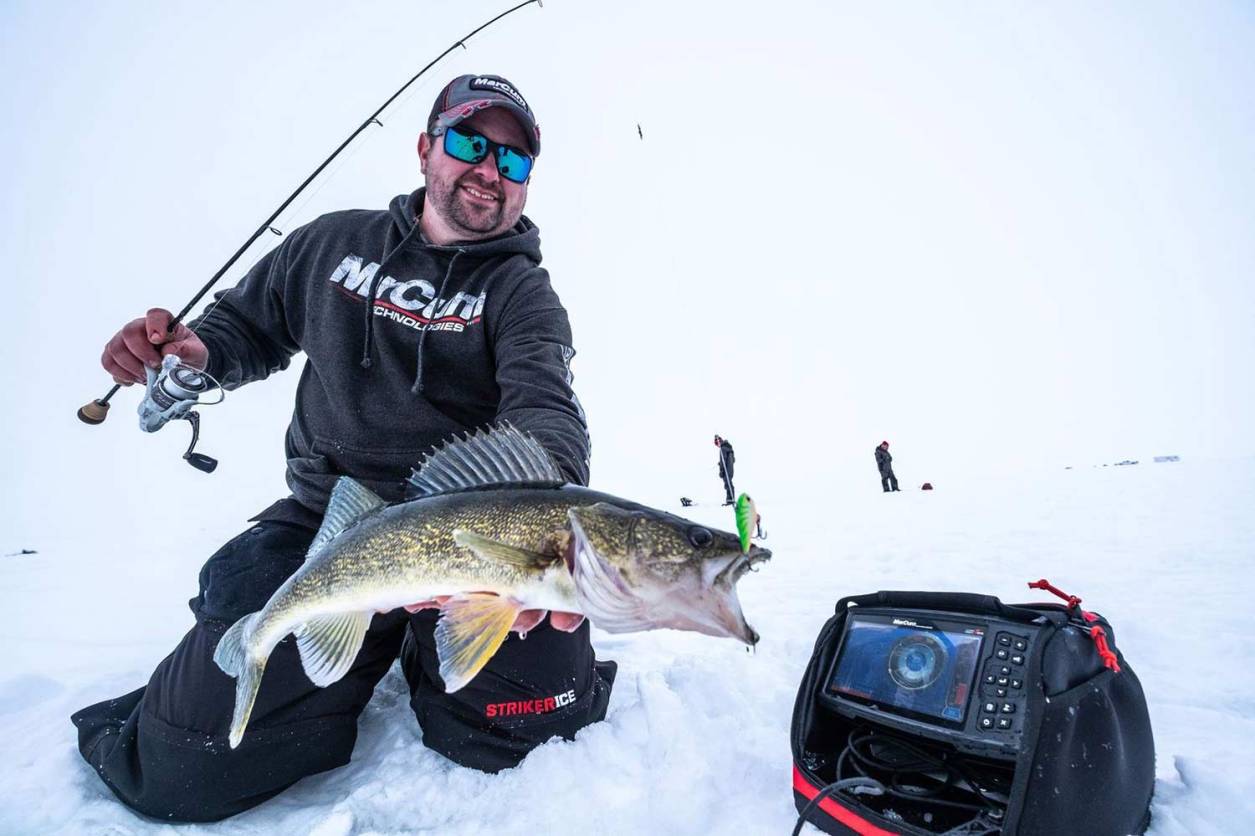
(493, 525)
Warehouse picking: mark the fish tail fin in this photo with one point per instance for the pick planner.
(471, 629)
(232, 656)
(245, 694)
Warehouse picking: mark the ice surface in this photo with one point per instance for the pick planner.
(696, 740)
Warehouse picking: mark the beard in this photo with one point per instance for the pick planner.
(451, 203)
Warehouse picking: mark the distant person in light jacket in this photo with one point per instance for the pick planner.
(884, 463)
(726, 460)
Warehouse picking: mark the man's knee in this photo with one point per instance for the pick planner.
(460, 731)
(183, 775)
(533, 690)
(163, 751)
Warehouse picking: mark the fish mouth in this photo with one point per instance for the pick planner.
(742, 563)
(728, 613)
(722, 616)
(756, 556)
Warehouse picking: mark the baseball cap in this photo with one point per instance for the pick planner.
(469, 94)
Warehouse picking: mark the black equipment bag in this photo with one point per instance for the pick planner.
(1085, 763)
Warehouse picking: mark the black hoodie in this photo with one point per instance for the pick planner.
(379, 391)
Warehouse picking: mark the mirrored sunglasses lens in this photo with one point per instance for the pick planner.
(469, 148)
(513, 166)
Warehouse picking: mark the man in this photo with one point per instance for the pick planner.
(726, 459)
(419, 322)
(884, 463)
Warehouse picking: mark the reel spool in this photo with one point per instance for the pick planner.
(170, 396)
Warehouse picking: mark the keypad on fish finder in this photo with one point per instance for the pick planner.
(1002, 696)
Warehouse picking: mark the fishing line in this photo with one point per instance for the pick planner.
(95, 411)
(294, 214)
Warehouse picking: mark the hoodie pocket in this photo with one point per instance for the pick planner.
(383, 469)
(311, 479)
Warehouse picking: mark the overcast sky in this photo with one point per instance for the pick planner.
(1000, 234)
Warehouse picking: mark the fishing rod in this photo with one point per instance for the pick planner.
(95, 411)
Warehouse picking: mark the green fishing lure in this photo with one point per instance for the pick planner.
(746, 520)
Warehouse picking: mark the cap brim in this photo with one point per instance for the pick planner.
(458, 113)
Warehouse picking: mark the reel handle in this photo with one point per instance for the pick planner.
(96, 411)
(203, 463)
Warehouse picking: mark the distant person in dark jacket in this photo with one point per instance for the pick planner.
(884, 462)
(726, 460)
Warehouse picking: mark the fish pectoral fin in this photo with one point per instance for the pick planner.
(471, 628)
(490, 549)
(328, 645)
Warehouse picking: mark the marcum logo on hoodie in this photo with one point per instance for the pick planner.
(412, 303)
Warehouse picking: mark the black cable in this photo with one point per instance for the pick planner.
(835, 786)
(897, 772)
(890, 775)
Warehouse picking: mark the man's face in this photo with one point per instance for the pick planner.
(474, 200)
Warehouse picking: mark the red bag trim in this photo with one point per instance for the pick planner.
(830, 806)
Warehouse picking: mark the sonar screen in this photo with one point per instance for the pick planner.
(918, 668)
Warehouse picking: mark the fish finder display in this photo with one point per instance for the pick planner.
(914, 667)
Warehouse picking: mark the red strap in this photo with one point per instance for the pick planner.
(1073, 601)
(1099, 635)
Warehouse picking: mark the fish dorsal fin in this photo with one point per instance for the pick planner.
(492, 458)
(350, 501)
(501, 552)
(329, 644)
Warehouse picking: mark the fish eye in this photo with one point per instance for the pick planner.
(700, 537)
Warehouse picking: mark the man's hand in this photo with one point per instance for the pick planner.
(567, 622)
(143, 342)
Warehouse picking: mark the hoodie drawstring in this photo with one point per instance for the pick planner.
(417, 388)
(368, 342)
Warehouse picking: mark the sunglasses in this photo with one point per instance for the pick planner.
(513, 163)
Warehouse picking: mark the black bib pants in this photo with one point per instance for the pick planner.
(887, 480)
(162, 749)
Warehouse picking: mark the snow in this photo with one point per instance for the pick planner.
(696, 738)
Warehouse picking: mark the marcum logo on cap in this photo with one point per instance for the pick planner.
(496, 85)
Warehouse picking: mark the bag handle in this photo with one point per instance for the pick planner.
(966, 602)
